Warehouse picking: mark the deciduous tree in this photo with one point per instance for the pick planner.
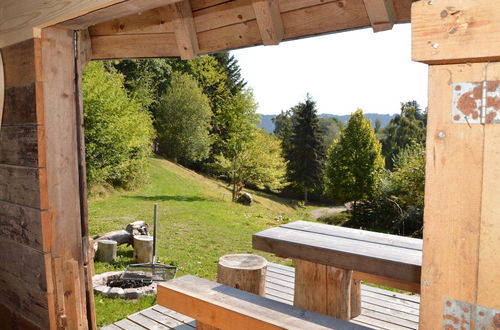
(354, 162)
(183, 120)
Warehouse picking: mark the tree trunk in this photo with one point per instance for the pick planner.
(143, 249)
(305, 194)
(106, 250)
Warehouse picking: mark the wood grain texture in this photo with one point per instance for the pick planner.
(453, 190)
(381, 13)
(184, 30)
(22, 225)
(22, 282)
(374, 258)
(392, 283)
(268, 17)
(2, 88)
(20, 185)
(19, 145)
(229, 308)
(489, 258)
(20, 105)
(244, 272)
(118, 10)
(134, 46)
(451, 31)
(56, 78)
(18, 60)
(19, 17)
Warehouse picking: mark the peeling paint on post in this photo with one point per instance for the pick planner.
(462, 315)
(476, 102)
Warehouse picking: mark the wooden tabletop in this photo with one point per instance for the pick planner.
(380, 254)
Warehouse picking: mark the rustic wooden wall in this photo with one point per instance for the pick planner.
(24, 289)
(42, 279)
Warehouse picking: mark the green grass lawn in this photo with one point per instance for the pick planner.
(197, 224)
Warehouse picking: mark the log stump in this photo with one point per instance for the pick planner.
(243, 271)
(106, 250)
(143, 249)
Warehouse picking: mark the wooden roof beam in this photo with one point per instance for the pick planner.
(381, 13)
(184, 29)
(269, 21)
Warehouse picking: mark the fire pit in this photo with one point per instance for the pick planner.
(110, 285)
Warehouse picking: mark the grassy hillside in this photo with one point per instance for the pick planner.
(198, 223)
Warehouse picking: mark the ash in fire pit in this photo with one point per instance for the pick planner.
(111, 285)
(128, 283)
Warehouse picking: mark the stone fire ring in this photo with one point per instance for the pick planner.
(99, 284)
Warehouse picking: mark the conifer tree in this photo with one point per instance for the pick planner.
(354, 164)
(306, 154)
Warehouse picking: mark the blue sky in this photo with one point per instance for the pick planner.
(342, 72)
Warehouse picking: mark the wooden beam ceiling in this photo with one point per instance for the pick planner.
(191, 27)
(381, 13)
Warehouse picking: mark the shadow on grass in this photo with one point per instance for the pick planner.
(170, 198)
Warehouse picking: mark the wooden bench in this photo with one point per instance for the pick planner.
(330, 261)
(216, 306)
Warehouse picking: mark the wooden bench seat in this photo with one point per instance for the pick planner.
(223, 307)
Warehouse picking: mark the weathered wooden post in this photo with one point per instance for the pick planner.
(460, 40)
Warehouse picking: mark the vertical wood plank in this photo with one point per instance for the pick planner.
(489, 258)
(184, 29)
(338, 289)
(2, 90)
(56, 99)
(454, 176)
(268, 17)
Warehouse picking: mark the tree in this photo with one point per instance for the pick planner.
(306, 155)
(354, 163)
(331, 128)
(183, 120)
(255, 160)
(234, 81)
(403, 129)
(118, 131)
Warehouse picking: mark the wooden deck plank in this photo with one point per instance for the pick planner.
(165, 320)
(126, 324)
(381, 309)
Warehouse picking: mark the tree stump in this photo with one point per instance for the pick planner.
(143, 249)
(243, 271)
(106, 250)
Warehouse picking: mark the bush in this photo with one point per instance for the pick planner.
(118, 132)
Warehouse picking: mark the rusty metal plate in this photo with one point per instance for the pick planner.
(476, 102)
(461, 315)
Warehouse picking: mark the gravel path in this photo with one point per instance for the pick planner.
(315, 214)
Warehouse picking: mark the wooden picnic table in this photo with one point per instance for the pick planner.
(330, 262)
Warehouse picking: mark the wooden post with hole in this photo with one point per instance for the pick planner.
(460, 279)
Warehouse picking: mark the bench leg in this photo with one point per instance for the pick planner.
(323, 289)
(355, 298)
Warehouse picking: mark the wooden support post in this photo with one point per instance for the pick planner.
(268, 17)
(460, 257)
(245, 272)
(184, 29)
(381, 13)
(2, 90)
(143, 249)
(323, 289)
(106, 250)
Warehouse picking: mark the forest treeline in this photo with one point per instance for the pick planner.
(201, 114)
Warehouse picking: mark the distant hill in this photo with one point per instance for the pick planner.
(268, 125)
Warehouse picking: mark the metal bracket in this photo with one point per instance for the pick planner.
(476, 102)
(461, 315)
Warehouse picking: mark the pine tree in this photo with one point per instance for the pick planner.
(403, 130)
(306, 154)
(354, 163)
